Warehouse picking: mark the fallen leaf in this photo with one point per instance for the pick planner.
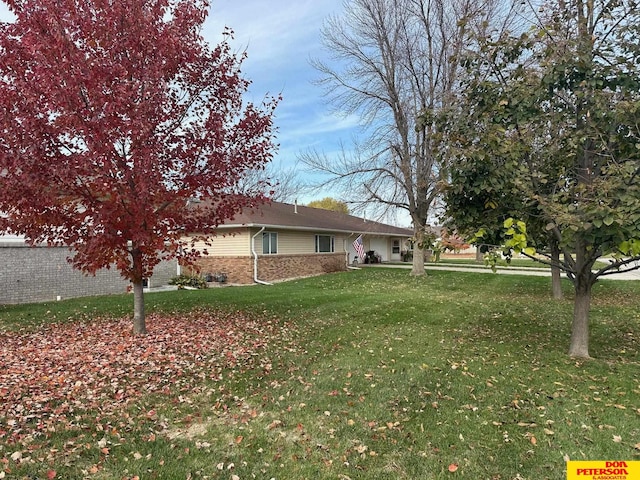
(99, 362)
(617, 438)
(453, 467)
(51, 474)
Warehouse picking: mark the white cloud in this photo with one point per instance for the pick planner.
(280, 37)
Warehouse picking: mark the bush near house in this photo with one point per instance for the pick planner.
(189, 281)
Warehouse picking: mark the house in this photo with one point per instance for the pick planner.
(279, 241)
(276, 241)
(42, 273)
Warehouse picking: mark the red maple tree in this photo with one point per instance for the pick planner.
(114, 116)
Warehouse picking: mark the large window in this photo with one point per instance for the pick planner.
(325, 244)
(269, 243)
(396, 246)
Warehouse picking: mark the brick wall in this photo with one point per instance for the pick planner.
(281, 267)
(239, 270)
(272, 268)
(42, 274)
(163, 272)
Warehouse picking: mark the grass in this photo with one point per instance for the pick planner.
(380, 375)
(515, 262)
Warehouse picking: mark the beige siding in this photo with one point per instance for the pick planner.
(381, 246)
(231, 244)
(289, 243)
(298, 243)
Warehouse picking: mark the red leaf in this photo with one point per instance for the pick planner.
(157, 118)
(453, 467)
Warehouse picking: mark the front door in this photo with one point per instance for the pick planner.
(395, 250)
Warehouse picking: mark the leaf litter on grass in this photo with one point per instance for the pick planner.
(63, 376)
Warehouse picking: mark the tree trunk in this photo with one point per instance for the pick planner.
(139, 324)
(418, 261)
(579, 345)
(556, 279)
(418, 253)
(479, 255)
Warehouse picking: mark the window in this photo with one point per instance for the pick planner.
(269, 243)
(396, 246)
(325, 244)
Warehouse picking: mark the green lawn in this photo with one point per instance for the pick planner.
(370, 374)
(515, 262)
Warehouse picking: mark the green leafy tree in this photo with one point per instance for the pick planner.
(560, 105)
(329, 203)
(488, 178)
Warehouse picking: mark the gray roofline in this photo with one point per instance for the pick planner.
(310, 229)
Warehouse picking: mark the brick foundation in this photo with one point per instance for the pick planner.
(273, 268)
(239, 270)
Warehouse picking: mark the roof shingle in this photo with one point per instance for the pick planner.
(298, 217)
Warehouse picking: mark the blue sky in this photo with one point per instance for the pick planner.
(280, 37)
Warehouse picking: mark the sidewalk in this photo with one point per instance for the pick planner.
(531, 271)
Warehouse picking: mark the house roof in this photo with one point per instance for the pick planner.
(297, 217)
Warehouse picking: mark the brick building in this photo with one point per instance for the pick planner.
(42, 274)
(274, 242)
(279, 241)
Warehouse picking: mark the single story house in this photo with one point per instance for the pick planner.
(42, 274)
(276, 241)
(279, 241)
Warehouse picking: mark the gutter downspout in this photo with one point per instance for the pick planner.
(255, 258)
(346, 253)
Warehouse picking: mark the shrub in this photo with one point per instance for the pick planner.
(191, 281)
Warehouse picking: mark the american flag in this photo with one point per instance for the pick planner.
(357, 244)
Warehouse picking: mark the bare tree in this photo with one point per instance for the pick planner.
(395, 64)
(280, 184)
